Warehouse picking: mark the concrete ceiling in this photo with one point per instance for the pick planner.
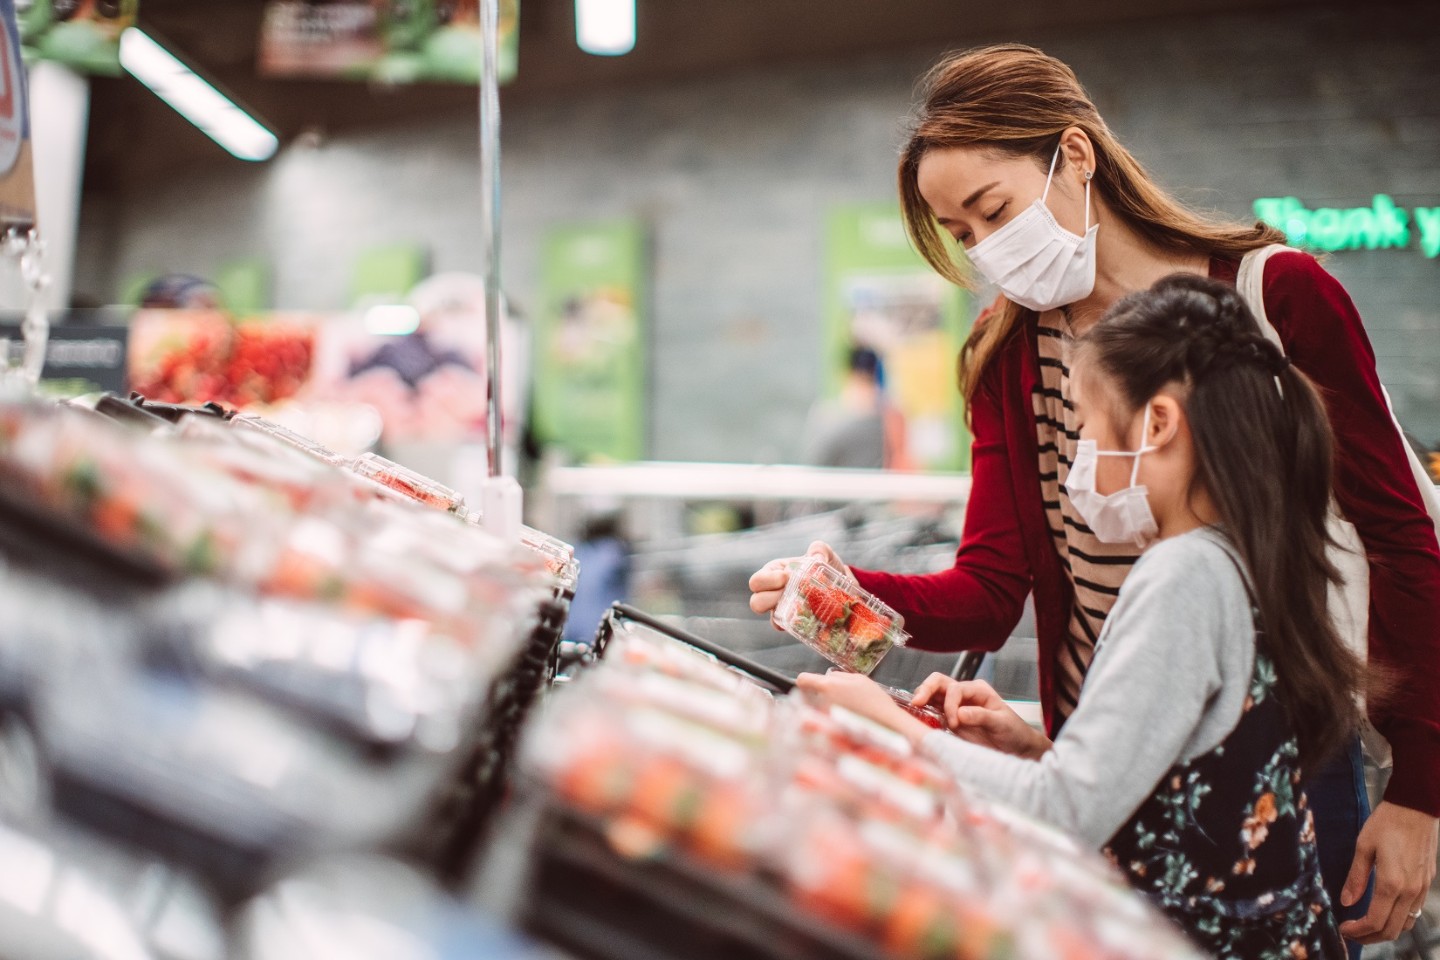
(134, 137)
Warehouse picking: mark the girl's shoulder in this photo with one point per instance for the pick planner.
(1199, 562)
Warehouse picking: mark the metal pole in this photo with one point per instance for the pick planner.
(490, 219)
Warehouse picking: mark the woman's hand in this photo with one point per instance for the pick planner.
(975, 712)
(1400, 844)
(767, 583)
(859, 694)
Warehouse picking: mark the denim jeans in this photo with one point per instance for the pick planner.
(1341, 807)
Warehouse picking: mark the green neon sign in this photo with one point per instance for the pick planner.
(1381, 226)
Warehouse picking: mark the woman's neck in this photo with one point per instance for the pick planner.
(1125, 263)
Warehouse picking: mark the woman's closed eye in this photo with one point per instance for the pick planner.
(964, 238)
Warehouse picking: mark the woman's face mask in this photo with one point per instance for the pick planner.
(1033, 260)
(1120, 517)
(1036, 262)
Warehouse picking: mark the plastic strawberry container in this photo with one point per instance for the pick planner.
(407, 482)
(830, 613)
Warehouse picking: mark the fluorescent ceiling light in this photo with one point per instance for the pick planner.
(194, 98)
(605, 27)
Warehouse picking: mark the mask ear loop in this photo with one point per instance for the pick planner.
(1051, 176)
(1144, 430)
(1088, 175)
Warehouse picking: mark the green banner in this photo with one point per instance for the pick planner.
(881, 295)
(384, 41)
(590, 342)
(82, 35)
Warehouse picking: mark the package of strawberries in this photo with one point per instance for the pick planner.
(825, 609)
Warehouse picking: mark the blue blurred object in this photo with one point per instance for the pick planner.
(605, 562)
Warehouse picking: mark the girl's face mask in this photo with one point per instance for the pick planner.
(1123, 516)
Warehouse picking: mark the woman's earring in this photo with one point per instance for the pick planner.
(1089, 174)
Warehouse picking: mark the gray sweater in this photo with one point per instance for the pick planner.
(1168, 682)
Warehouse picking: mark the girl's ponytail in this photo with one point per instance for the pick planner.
(1264, 455)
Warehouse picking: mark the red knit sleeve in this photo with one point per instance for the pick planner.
(1376, 491)
(976, 603)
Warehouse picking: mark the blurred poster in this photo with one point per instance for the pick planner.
(386, 41)
(422, 364)
(82, 34)
(196, 356)
(590, 349)
(881, 296)
(17, 175)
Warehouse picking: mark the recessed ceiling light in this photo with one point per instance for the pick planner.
(605, 27)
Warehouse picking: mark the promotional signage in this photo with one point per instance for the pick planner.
(881, 295)
(17, 178)
(590, 352)
(386, 41)
(82, 34)
(1383, 225)
(79, 358)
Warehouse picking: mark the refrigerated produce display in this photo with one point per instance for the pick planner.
(227, 658)
(675, 806)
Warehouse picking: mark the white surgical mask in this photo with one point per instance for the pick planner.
(1036, 262)
(1122, 517)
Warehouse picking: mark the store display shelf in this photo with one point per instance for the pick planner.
(581, 894)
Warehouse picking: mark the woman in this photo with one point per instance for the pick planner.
(1012, 160)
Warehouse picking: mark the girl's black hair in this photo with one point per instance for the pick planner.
(1264, 456)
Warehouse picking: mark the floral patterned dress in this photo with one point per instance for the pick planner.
(1226, 844)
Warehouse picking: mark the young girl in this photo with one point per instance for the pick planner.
(1218, 674)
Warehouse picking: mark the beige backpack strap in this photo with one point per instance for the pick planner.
(1250, 284)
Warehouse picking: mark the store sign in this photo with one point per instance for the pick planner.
(881, 295)
(82, 34)
(78, 358)
(385, 41)
(590, 346)
(1383, 225)
(17, 178)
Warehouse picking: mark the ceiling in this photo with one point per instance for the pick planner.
(134, 137)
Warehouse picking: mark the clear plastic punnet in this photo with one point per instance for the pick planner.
(829, 612)
(405, 481)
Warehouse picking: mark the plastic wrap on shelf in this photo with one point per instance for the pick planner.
(829, 612)
(306, 643)
(818, 825)
(559, 556)
(257, 424)
(407, 482)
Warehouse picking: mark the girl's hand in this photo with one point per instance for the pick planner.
(767, 583)
(860, 694)
(975, 712)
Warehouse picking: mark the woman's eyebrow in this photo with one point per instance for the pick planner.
(979, 193)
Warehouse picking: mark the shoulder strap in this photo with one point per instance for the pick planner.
(1250, 284)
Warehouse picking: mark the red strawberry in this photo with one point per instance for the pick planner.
(867, 626)
(827, 604)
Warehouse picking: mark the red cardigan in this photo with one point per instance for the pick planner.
(1006, 551)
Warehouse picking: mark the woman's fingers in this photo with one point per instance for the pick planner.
(772, 576)
(766, 586)
(821, 549)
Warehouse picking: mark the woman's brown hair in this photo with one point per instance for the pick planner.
(1015, 100)
(1264, 456)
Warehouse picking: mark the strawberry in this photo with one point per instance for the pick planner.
(867, 626)
(829, 605)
